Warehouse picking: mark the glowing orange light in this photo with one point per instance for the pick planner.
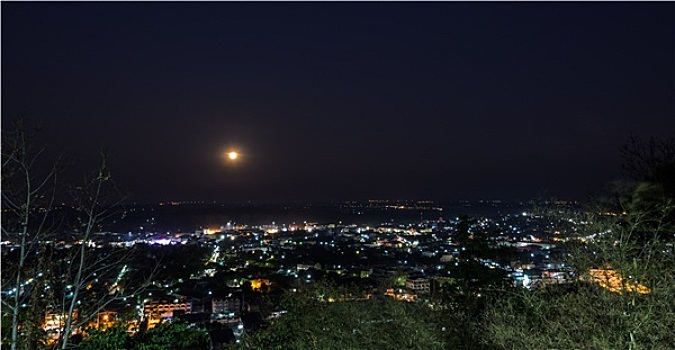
(615, 283)
(257, 284)
(232, 155)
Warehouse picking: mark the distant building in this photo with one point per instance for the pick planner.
(447, 258)
(419, 285)
(156, 311)
(399, 294)
(104, 319)
(308, 266)
(54, 323)
(225, 305)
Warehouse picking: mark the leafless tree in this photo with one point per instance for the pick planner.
(94, 277)
(28, 198)
(84, 279)
(649, 160)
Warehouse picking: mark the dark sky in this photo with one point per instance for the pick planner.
(333, 101)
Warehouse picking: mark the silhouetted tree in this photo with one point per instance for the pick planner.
(76, 284)
(94, 278)
(29, 188)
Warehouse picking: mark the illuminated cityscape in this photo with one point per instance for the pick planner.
(235, 268)
(337, 175)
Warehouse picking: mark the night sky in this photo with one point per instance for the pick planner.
(334, 101)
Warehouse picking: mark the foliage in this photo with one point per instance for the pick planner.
(330, 318)
(588, 315)
(584, 316)
(471, 283)
(112, 338)
(631, 235)
(171, 336)
(165, 336)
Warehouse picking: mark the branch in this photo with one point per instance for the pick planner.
(7, 305)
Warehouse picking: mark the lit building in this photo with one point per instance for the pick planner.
(156, 311)
(104, 320)
(54, 323)
(419, 285)
(398, 294)
(225, 305)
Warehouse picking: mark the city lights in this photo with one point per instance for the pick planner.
(427, 176)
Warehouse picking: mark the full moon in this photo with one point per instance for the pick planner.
(232, 155)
